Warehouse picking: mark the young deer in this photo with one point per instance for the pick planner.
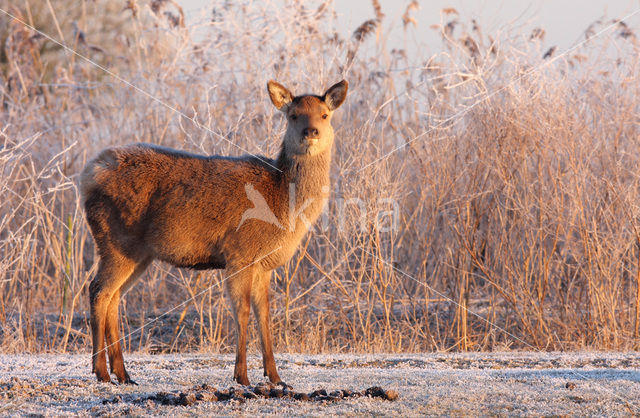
(145, 202)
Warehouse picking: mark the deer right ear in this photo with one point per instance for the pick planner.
(280, 96)
(336, 94)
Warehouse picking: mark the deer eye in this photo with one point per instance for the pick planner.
(294, 117)
(325, 116)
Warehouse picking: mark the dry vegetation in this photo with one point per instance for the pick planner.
(516, 185)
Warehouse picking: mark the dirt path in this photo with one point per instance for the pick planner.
(428, 384)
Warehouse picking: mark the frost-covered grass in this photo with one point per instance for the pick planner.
(512, 383)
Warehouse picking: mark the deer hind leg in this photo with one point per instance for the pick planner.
(239, 292)
(112, 272)
(260, 302)
(114, 348)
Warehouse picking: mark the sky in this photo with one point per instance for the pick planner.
(564, 21)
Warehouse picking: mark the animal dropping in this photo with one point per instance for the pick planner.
(246, 215)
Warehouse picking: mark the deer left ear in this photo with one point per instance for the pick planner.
(280, 96)
(336, 94)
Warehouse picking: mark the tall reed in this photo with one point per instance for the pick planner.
(484, 198)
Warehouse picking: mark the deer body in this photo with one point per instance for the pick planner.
(144, 202)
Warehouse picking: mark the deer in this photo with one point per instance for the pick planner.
(144, 202)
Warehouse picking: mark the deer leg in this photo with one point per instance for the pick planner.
(112, 271)
(260, 302)
(114, 348)
(239, 292)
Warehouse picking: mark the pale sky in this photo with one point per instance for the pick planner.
(563, 20)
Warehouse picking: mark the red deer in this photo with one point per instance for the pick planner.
(144, 202)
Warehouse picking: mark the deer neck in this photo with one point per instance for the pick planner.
(305, 183)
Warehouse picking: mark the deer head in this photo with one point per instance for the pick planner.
(309, 131)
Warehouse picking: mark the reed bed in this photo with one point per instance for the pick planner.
(485, 197)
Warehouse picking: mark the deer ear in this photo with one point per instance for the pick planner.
(336, 94)
(280, 96)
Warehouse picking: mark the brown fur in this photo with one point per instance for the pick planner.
(145, 202)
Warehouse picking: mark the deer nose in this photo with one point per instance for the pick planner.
(310, 132)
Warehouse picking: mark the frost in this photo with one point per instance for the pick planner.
(514, 383)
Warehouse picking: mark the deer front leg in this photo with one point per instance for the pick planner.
(239, 292)
(260, 302)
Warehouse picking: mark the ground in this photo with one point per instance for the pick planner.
(514, 383)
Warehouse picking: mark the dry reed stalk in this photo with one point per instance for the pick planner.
(521, 210)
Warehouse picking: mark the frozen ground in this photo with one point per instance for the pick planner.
(575, 384)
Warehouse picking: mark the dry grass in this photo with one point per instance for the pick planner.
(521, 209)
